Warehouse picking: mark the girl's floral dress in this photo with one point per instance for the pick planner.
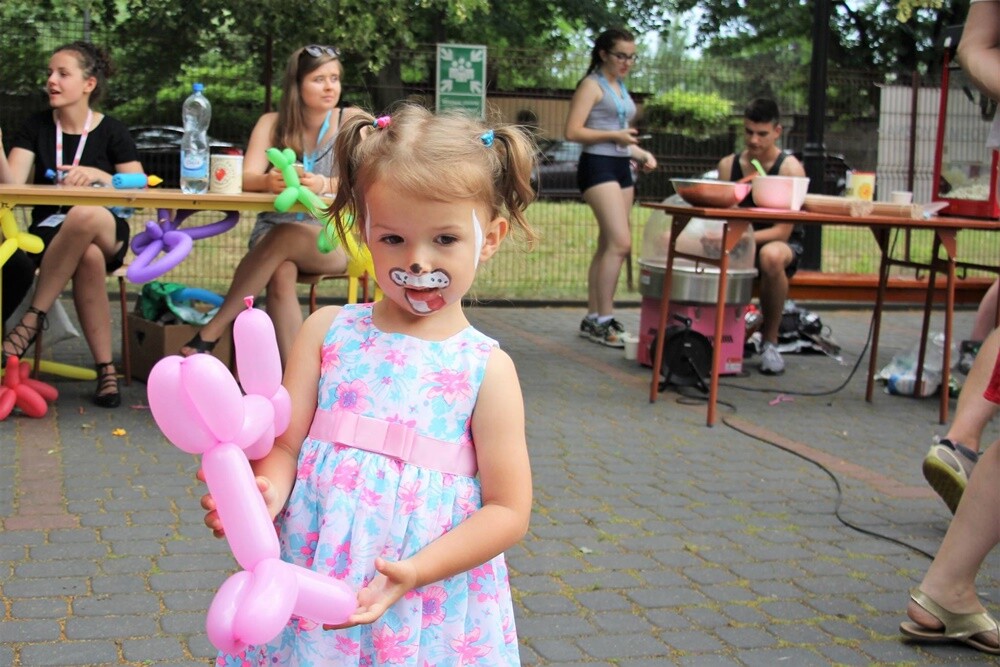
(350, 505)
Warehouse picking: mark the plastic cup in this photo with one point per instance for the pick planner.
(226, 177)
(631, 347)
(901, 197)
(861, 185)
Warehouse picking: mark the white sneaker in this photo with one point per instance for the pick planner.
(771, 362)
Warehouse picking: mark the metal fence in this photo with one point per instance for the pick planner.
(535, 88)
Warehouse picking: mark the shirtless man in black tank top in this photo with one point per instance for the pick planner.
(779, 246)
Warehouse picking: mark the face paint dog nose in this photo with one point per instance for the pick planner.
(415, 268)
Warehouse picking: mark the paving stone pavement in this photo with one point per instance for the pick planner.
(655, 540)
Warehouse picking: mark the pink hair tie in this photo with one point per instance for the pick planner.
(381, 122)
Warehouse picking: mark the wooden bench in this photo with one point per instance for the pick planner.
(820, 286)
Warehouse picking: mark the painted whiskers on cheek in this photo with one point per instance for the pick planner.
(477, 230)
(423, 290)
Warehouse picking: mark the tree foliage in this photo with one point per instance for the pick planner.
(864, 34)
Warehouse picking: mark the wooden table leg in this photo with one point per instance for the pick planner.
(732, 233)
(926, 324)
(882, 238)
(948, 240)
(677, 226)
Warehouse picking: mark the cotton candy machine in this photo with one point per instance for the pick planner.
(693, 296)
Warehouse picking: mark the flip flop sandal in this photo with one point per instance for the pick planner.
(962, 628)
(201, 346)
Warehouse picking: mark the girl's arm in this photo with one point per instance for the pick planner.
(276, 471)
(586, 96)
(255, 163)
(4, 167)
(645, 159)
(302, 382)
(16, 167)
(979, 47)
(502, 455)
(133, 167)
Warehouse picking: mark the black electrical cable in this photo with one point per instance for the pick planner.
(840, 493)
(691, 399)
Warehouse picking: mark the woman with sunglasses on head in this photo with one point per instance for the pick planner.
(599, 116)
(284, 244)
(73, 144)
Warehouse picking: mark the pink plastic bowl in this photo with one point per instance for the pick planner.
(710, 193)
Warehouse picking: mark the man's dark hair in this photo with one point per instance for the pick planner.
(762, 110)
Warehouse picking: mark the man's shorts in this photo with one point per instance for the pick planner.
(793, 266)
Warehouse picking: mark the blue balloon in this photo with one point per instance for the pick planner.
(196, 294)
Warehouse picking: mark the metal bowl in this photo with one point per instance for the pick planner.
(710, 193)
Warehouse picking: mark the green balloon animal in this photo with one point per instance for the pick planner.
(359, 259)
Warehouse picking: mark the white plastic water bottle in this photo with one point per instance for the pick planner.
(197, 114)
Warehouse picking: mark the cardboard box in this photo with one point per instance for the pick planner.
(151, 341)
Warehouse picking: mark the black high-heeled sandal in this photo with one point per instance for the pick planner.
(105, 380)
(201, 346)
(21, 337)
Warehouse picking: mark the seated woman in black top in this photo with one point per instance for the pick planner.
(74, 145)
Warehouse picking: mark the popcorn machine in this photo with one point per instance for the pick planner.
(965, 169)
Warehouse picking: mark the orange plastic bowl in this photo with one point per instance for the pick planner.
(709, 193)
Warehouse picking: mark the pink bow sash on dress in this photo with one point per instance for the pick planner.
(394, 440)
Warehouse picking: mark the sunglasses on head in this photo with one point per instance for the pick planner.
(317, 50)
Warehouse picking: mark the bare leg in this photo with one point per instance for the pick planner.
(773, 259)
(974, 412)
(986, 314)
(611, 205)
(974, 531)
(90, 296)
(283, 306)
(292, 242)
(86, 229)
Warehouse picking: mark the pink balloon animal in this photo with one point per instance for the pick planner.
(20, 390)
(199, 407)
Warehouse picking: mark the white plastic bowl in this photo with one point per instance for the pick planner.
(784, 192)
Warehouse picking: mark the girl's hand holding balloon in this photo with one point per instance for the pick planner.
(394, 580)
(276, 182)
(212, 519)
(314, 182)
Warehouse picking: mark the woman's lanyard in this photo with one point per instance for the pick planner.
(309, 160)
(619, 100)
(79, 148)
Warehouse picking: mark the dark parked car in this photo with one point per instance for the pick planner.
(160, 150)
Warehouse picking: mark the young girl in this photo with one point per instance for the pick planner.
(599, 116)
(80, 146)
(405, 469)
(284, 244)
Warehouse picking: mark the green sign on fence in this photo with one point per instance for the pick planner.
(461, 78)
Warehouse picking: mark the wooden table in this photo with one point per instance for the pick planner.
(159, 198)
(166, 201)
(735, 223)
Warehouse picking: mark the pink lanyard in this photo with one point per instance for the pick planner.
(79, 148)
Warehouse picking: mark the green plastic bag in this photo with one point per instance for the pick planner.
(158, 300)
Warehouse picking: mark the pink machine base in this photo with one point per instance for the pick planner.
(702, 316)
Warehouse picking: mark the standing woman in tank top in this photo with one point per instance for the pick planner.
(599, 117)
